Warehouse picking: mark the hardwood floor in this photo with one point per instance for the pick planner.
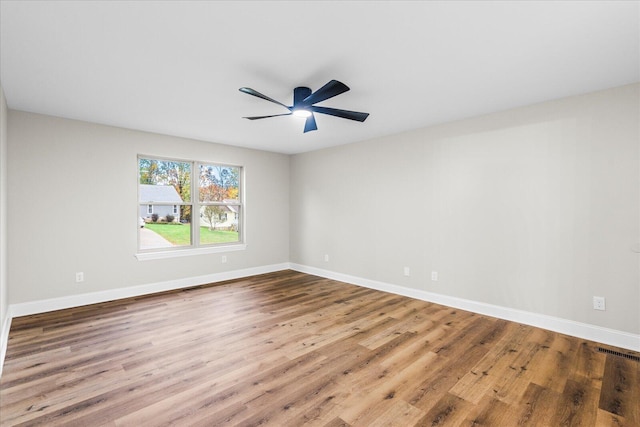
(290, 349)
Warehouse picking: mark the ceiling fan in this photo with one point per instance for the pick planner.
(303, 104)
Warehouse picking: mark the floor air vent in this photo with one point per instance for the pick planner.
(617, 353)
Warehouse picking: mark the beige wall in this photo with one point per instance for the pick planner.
(535, 209)
(4, 298)
(72, 205)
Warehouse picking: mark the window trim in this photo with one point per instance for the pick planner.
(195, 248)
(189, 251)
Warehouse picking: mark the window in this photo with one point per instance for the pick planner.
(165, 189)
(218, 194)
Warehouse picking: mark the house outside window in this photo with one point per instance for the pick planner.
(169, 191)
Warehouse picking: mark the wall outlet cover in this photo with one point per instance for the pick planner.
(599, 303)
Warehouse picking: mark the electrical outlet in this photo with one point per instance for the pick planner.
(599, 303)
(326, 257)
(434, 276)
(79, 277)
(407, 271)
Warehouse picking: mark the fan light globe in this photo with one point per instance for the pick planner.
(301, 113)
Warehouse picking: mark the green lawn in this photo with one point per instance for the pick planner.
(178, 234)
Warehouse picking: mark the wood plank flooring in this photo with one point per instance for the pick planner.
(291, 349)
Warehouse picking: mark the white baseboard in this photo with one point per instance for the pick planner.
(4, 338)
(569, 327)
(52, 304)
(42, 306)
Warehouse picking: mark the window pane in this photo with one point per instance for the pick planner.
(219, 183)
(219, 224)
(164, 181)
(163, 228)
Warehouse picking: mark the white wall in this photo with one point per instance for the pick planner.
(534, 209)
(72, 204)
(4, 297)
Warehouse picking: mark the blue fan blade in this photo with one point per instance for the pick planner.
(266, 117)
(250, 91)
(310, 124)
(327, 91)
(345, 114)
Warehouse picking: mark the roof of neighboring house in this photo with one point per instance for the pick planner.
(226, 207)
(233, 209)
(159, 194)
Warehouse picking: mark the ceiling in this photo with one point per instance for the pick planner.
(175, 67)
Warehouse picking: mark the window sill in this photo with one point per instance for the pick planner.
(145, 256)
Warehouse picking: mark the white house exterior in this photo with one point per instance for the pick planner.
(162, 200)
(224, 217)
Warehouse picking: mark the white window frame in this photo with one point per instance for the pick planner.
(195, 248)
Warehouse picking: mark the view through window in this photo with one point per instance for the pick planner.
(179, 210)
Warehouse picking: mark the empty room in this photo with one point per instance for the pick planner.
(319, 213)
